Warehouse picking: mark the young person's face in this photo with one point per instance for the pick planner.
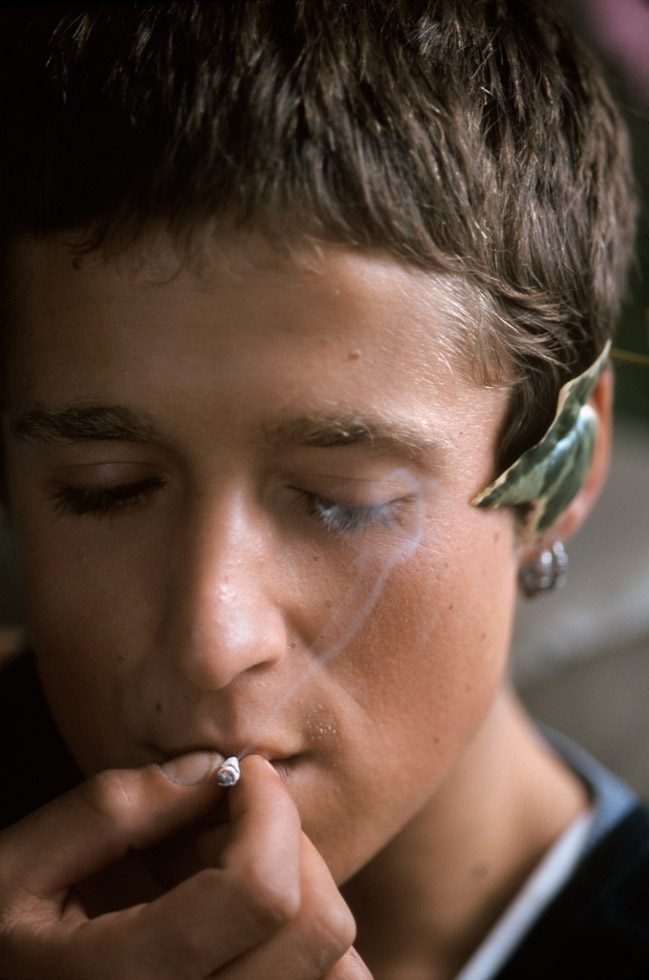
(243, 498)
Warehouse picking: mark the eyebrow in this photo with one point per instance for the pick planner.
(389, 435)
(85, 423)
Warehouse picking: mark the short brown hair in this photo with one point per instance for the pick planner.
(474, 139)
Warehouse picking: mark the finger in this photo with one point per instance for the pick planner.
(311, 942)
(262, 811)
(222, 912)
(126, 883)
(349, 967)
(264, 845)
(202, 923)
(99, 821)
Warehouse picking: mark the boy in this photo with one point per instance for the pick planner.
(286, 286)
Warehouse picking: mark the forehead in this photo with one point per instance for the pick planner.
(51, 282)
(343, 329)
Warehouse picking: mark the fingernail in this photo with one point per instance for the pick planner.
(187, 770)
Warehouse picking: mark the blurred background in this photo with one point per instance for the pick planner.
(582, 655)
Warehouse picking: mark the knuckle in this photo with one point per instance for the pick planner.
(9, 928)
(333, 929)
(19, 942)
(16, 904)
(184, 948)
(349, 967)
(270, 902)
(111, 795)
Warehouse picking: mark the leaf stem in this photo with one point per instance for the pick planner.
(629, 357)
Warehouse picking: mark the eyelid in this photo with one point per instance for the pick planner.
(355, 491)
(99, 500)
(103, 473)
(344, 519)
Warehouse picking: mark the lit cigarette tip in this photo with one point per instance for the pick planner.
(228, 772)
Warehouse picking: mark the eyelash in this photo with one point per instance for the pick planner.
(335, 518)
(104, 500)
(350, 518)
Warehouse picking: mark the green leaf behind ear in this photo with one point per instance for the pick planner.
(549, 474)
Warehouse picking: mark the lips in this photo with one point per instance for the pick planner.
(282, 761)
(285, 768)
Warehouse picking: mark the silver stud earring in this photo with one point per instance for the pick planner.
(547, 571)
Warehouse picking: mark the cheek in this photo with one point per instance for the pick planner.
(430, 659)
(85, 630)
(417, 682)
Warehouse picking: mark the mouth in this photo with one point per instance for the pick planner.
(286, 767)
(284, 763)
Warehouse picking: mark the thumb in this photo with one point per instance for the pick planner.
(98, 822)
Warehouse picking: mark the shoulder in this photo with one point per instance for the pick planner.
(598, 925)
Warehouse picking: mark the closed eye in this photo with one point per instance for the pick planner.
(351, 518)
(101, 500)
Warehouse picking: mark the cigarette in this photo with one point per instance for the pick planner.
(228, 772)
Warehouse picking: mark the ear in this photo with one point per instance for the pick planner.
(571, 519)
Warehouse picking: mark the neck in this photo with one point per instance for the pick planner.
(428, 899)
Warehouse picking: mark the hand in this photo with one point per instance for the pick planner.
(269, 910)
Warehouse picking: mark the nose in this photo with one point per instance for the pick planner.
(221, 616)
